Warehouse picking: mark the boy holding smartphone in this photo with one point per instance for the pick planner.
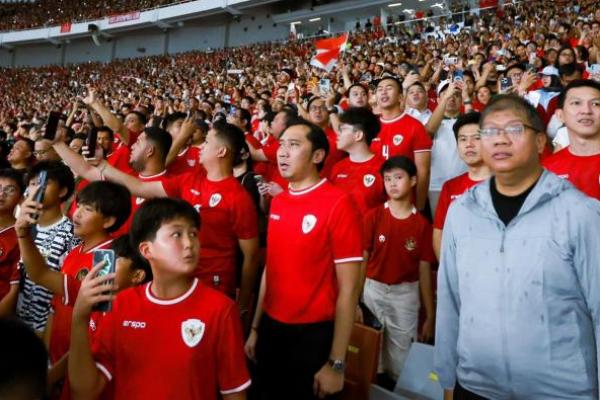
(102, 208)
(204, 356)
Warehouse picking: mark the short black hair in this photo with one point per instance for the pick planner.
(269, 117)
(122, 248)
(316, 136)
(171, 118)
(15, 176)
(579, 83)
(24, 365)
(399, 162)
(512, 102)
(154, 213)
(109, 199)
(466, 119)
(246, 116)
(105, 128)
(356, 85)
(58, 172)
(313, 99)
(141, 117)
(232, 136)
(362, 118)
(569, 69)
(161, 140)
(290, 115)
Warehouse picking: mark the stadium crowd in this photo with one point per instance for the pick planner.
(443, 179)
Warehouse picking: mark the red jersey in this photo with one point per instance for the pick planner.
(228, 214)
(334, 155)
(310, 231)
(133, 137)
(401, 136)
(136, 202)
(259, 167)
(451, 189)
(581, 171)
(9, 257)
(119, 158)
(184, 348)
(396, 246)
(361, 180)
(187, 159)
(270, 150)
(77, 264)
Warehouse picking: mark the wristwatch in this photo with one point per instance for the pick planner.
(337, 365)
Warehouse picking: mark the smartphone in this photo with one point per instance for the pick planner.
(259, 179)
(91, 141)
(38, 197)
(458, 75)
(532, 58)
(505, 83)
(108, 257)
(450, 60)
(324, 86)
(52, 125)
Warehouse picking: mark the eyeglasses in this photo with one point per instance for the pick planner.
(40, 152)
(8, 190)
(514, 131)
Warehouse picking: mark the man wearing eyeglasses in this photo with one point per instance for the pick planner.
(43, 151)
(518, 306)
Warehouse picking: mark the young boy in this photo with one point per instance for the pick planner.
(53, 238)
(399, 254)
(11, 191)
(174, 328)
(102, 208)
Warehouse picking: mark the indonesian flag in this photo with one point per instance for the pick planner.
(328, 51)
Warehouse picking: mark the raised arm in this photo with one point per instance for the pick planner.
(92, 101)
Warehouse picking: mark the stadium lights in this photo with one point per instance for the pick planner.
(395, 5)
(314, 19)
(296, 23)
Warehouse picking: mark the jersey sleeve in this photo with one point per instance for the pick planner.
(245, 218)
(442, 208)
(270, 151)
(232, 374)
(253, 141)
(345, 232)
(422, 141)
(174, 186)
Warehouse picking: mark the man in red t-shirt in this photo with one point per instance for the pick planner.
(397, 242)
(466, 131)
(173, 338)
(309, 290)
(358, 174)
(229, 219)
(11, 192)
(579, 110)
(402, 135)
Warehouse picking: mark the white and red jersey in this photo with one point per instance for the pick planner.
(450, 191)
(396, 246)
(401, 136)
(362, 180)
(77, 265)
(9, 259)
(581, 171)
(228, 215)
(310, 231)
(136, 202)
(187, 159)
(189, 347)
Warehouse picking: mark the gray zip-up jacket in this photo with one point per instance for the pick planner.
(518, 312)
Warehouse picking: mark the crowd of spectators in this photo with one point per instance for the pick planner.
(398, 114)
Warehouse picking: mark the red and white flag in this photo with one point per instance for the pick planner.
(328, 52)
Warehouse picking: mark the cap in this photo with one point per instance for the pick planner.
(550, 71)
(442, 85)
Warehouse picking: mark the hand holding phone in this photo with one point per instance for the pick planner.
(38, 197)
(52, 125)
(107, 257)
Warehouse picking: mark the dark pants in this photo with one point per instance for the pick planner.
(460, 393)
(288, 356)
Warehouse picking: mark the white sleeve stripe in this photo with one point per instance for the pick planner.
(14, 282)
(66, 290)
(237, 389)
(345, 260)
(422, 151)
(103, 369)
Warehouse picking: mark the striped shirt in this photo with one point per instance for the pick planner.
(54, 243)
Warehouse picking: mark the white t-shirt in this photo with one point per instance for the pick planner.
(445, 162)
(422, 116)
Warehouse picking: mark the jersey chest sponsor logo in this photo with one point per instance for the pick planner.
(397, 139)
(194, 192)
(139, 200)
(341, 176)
(215, 199)
(134, 324)
(308, 223)
(368, 180)
(410, 244)
(192, 331)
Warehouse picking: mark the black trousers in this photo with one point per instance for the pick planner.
(460, 393)
(288, 356)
